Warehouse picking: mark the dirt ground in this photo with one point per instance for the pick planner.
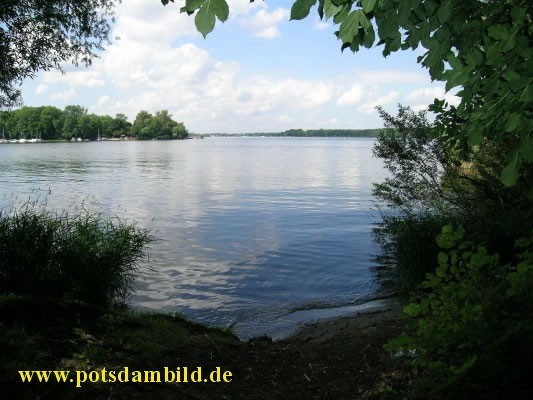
(340, 359)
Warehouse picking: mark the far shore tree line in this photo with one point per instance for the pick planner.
(310, 133)
(51, 123)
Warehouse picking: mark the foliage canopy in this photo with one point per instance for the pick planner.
(483, 47)
(43, 34)
(51, 123)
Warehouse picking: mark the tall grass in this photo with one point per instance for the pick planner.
(77, 254)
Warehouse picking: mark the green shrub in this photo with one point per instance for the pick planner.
(469, 325)
(408, 250)
(83, 256)
(430, 186)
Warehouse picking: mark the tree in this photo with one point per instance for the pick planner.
(140, 125)
(158, 126)
(72, 116)
(483, 47)
(43, 34)
(50, 122)
(120, 126)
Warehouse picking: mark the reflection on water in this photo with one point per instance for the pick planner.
(247, 228)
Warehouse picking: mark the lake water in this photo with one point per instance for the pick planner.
(251, 231)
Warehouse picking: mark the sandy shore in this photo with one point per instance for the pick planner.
(363, 323)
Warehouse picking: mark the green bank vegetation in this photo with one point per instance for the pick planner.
(456, 244)
(73, 255)
(51, 123)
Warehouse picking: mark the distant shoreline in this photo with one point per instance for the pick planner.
(371, 133)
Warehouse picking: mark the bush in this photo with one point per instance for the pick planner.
(469, 326)
(408, 249)
(430, 186)
(83, 256)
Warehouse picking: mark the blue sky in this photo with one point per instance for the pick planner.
(258, 72)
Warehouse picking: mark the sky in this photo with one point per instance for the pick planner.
(257, 72)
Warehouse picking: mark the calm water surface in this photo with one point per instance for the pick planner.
(249, 229)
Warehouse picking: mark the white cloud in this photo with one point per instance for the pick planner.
(239, 8)
(372, 101)
(104, 101)
(185, 80)
(352, 96)
(264, 24)
(285, 118)
(149, 21)
(64, 96)
(41, 89)
(321, 25)
(78, 78)
(421, 98)
(261, 95)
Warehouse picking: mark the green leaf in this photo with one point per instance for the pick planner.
(221, 9)
(387, 28)
(364, 21)
(454, 62)
(513, 122)
(474, 57)
(301, 8)
(474, 137)
(368, 5)
(321, 9)
(510, 76)
(411, 309)
(370, 38)
(429, 6)
(341, 14)
(518, 14)
(526, 149)
(509, 175)
(527, 96)
(498, 32)
(349, 27)
(205, 19)
(493, 55)
(444, 12)
(330, 9)
(403, 13)
(192, 5)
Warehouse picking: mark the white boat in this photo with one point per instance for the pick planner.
(23, 140)
(79, 139)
